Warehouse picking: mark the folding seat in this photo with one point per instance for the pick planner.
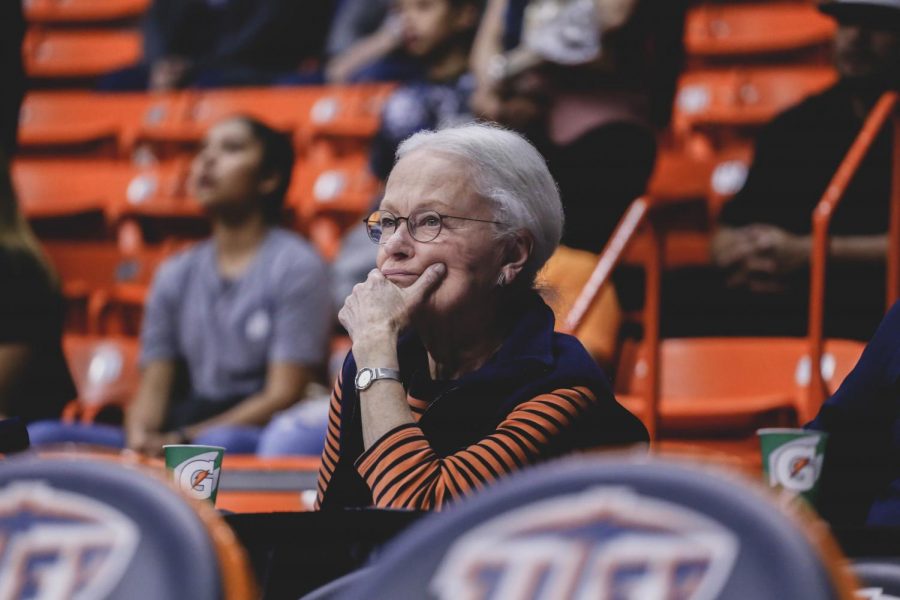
(743, 98)
(79, 54)
(72, 122)
(710, 384)
(71, 12)
(343, 188)
(566, 273)
(106, 373)
(55, 188)
(613, 527)
(733, 30)
(100, 281)
(282, 108)
(347, 112)
(92, 525)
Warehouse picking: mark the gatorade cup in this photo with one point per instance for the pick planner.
(792, 459)
(195, 469)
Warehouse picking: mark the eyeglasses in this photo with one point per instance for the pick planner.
(423, 225)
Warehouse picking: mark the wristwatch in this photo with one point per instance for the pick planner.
(365, 377)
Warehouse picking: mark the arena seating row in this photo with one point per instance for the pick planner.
(91, 123)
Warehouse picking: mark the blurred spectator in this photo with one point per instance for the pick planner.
(12, 74)
(587, 81)
(437, 34)
(213, 43)
(417, 40)
(34, 380)
(763, 244)
(861, 477)
(245, 316)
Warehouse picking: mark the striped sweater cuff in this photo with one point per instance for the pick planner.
(368, 462)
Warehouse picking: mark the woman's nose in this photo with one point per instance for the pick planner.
(400, 241)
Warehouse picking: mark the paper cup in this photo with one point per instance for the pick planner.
(792, 459)
(195, 469)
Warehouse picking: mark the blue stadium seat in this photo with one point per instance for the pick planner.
(90, 528)
(612, 528)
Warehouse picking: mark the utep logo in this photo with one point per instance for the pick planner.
(60, 544)
(197, 476)
(795, 465)
(599, 544)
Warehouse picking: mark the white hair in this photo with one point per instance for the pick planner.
(508, 171)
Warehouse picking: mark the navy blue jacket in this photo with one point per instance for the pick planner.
(861, 478)
(533, 360)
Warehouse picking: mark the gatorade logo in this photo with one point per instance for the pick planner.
(198, 475)
(795, 465)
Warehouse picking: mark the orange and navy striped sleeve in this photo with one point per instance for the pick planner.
(332, 450)
(402, 470)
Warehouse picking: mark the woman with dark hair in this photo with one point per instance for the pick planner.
(244, 315)
(34, 380)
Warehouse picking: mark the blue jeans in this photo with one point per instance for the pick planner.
(236, 439)
(299, 430)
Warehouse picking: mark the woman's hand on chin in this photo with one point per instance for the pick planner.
(378, 310)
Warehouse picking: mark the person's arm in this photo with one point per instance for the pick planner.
(285, 385)
(13, 360)
(331, 453)
(485, 99)
(403, 471)
(147, 411)
(364, 52)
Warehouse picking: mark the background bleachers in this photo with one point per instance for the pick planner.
(102, 176)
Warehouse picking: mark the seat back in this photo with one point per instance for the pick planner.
(746, 97)
(105, 369)
(87, 528)
(732, 30)
(67, 121)
(707, 381)
(79, 54)
(613, 528)
(83, 11)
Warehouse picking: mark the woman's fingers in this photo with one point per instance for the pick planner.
(427, 281)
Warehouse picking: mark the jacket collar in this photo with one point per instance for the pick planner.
(528, 344)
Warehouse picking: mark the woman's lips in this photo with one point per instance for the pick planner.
(396, 275)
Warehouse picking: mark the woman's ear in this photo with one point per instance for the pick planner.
(518, 251)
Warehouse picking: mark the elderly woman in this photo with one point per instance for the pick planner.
(456, 376)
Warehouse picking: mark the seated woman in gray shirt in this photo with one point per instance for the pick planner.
(245, 315)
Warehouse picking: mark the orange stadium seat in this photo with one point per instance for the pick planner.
(99, 280)
(55, 121)
(53, 188)
(282, 108)
(566, 273)
(727, 30)
(82, 11)
(79, 54)
(702, 391)
(105, 370)
(348, 111)
(743, 97)
(343, 187)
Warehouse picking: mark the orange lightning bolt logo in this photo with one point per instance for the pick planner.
(199, 477)
(799, 466)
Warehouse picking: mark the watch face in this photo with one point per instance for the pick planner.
(363, 378)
